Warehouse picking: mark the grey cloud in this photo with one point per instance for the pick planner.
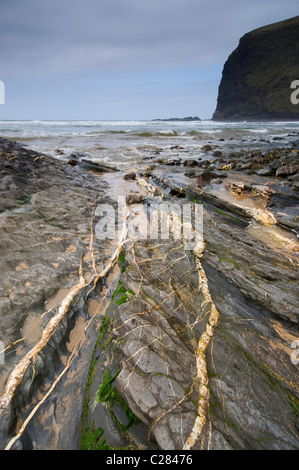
(41, 37)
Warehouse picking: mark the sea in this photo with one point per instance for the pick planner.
(127, 144)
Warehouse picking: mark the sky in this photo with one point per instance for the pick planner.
(121, 59)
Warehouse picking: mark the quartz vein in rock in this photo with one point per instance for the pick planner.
(202, 375)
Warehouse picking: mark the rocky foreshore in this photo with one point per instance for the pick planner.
(149, 343)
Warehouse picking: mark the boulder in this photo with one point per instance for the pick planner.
(265, 172)
(129, 176)
(97, 167)
(190, 163)
(287, 169)
(134, 199)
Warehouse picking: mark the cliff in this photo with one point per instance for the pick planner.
(256, 77)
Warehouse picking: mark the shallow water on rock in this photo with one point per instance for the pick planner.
(32, 330)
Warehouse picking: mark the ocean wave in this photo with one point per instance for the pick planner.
(158, 133)
(121, 131)
(145, 133)
(116, 134)
(258, 131)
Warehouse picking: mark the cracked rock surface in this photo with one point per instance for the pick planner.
(178, 347)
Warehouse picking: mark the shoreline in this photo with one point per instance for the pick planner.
(125, 143)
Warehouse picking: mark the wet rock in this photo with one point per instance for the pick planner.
(207, 175)
(98, 167)
(265, 172)
(227, 166)
(134, 199)
(157, 330)
(150, 389)
(236, 188)
(72, 162)
(247, 165)
(204, 177)
(287, 169)
(263, 191)
(207, 147)
(199, 183)
(150, 340)
(41, 242)
(129, 176)
(173, 162)
(263, 216)
(266, 156)
(189, 163)
(293, 178)
(275, 165)
(146, 173)
(79, 155)
(190, 174)
(217, 180)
